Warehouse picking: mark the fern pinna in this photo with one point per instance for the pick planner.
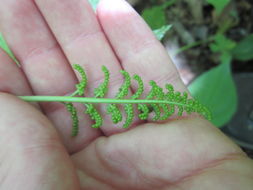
(162, 104)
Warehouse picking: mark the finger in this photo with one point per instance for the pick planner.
(12, 79)
(135, 45)
(44, 65)
(31, 154)
(77, 30)
(132, 161)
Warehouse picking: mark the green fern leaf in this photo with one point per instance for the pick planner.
(99, 92)
(140, 89)
(72, 110)
(144, 111)
(143, 108)
(162, 104)
(129, 109)
(103, 88)
(82, 84)
(115, 112)
(91, 110)
(123, 91)
(151, 95)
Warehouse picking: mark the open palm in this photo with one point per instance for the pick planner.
(47, 36)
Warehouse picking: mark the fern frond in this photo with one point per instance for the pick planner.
(163, 104)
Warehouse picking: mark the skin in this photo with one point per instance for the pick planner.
(36, 149)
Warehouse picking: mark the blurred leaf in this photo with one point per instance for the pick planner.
(225, 57)
(216, 89)
(6, 48)
(219, 5)
(154, 16)
(222, 44)
(244, 49)
(160, 33)
(94, 4)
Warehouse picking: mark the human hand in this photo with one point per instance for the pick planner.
(183, 153)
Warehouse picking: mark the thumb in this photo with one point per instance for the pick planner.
(31, 154)
(186, 153)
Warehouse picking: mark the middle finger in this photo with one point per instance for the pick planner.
(77, 30)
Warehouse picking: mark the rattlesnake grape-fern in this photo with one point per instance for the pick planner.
(163, 103)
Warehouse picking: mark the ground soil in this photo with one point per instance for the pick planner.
(201, 26)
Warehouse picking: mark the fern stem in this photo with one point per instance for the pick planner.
(74, 93)
(95, 100)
